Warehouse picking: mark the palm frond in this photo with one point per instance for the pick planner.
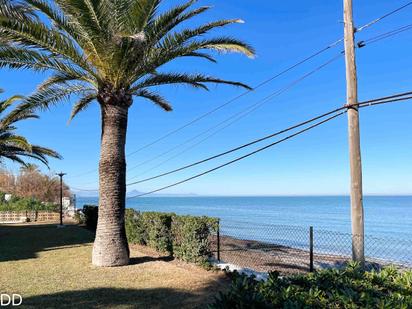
(81, 105)
(195, 80)
(13, 146)
(155, 98)
(34, 34)
(122, 44)
(46, 97)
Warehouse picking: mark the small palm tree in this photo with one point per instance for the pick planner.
(15, 147)
(111, 52)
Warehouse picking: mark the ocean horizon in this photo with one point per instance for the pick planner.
(385, 215)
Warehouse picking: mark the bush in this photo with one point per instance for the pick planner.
(157, 228)
(79, 217)
(347, 288)
(184, 237)
(150, 228)
(26, 204)
(191, 241)
(90, 216)
(135, 230)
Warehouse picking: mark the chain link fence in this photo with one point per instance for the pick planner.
(293, 249)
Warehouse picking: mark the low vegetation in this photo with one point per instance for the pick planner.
(50, 268)
(30, 182)
(24, 204)
(184, 237)
(347, 288)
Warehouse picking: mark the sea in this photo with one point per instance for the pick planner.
(286, 219)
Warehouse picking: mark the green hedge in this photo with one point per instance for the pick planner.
(184, 237)
(347, 288)
(23, 204)
(152, 229)
(191, 241)
(90, 216)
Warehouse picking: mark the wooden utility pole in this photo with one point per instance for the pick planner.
(356, 195)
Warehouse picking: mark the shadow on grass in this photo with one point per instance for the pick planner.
(20, 242)
(146, 259)
(124, 298)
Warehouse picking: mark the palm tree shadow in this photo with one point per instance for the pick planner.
(127, 298)
(20, 242)
(147, 259)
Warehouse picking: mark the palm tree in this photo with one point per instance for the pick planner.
(15, 147)
(111, 52)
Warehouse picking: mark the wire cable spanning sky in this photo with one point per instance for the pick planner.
(270, 79)
(253, 107)
(337, 112)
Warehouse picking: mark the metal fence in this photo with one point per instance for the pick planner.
(293, 249)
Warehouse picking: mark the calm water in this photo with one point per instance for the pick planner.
(254, 217)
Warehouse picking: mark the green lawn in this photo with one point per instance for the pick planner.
(51, 268)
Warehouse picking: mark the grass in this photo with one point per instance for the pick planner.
(51, 268)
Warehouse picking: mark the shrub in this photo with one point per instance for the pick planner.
(135, 230)
(184, 237)
(191, 241)
(26, 204)
(79, 217)
(347, 288)
(157, 230)
(90, 216)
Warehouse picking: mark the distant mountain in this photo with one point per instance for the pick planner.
(129, 194)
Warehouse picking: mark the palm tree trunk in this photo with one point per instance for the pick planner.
(110, 246)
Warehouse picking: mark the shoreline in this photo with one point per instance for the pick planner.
(263, 257)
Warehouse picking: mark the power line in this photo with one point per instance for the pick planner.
(361, 105)
(384, 36)
(243, 113)
(335, 43)
(360, 44)
(381, 100)
(259, 85)
(242, 157)
(85, 190)
(237, 97)
(383, 17)
(235, 149)
(222, 105)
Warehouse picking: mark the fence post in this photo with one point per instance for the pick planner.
(218, 240)
(311, 249)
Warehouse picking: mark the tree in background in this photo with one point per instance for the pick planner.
(111, 52)
(15, 147)
(31, 183)
(7, 181)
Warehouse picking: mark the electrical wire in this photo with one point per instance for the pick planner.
(378, 101)
(342, 111)
(241, 114)
(383, 17)
(259, 85)
(382, 100)
(242, 157)
(383, 36)
(333, 44)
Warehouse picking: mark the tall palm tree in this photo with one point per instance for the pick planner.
(111, 51)
(15, 147)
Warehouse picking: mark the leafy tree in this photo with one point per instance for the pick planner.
(111, 52)
(16, 147)
(30, 182)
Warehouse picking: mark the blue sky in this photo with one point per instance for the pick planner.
(315, 163)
